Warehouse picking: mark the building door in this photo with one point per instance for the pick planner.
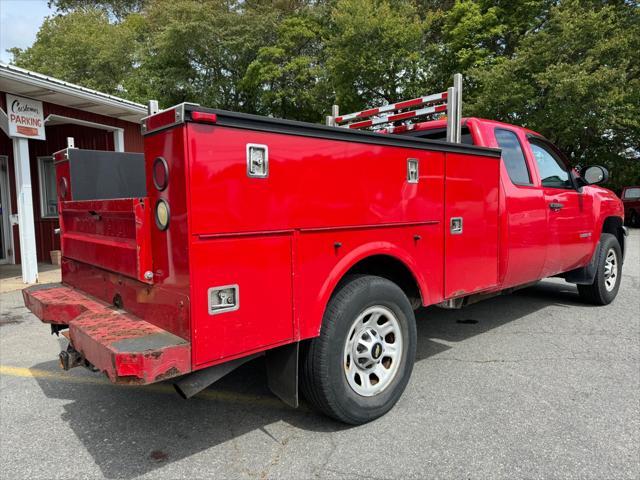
(6, 250)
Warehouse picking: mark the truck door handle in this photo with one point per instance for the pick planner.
(555, 206)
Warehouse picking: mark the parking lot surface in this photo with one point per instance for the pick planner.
(530, 385)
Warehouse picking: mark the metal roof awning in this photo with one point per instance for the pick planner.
(26, 83)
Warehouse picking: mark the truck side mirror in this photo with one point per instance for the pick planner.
(595, 174)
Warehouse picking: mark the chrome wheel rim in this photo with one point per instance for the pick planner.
(610, 270)
(372, 351)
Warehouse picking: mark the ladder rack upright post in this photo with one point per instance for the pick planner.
(451, 109)
(457, 86)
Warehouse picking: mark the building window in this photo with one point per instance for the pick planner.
(48, 194)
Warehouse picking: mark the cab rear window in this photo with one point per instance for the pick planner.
(440, 134)
(513, 156)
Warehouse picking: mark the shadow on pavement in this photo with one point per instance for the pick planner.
(457, 325)
(130, 431)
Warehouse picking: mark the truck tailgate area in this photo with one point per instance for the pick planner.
(128, 349)
(111, 234)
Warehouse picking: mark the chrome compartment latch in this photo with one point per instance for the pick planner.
(257, 160)
(412, 170)
(455, 225)
(223, 299)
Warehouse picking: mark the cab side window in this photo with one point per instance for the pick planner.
(553, 171)
(513, 157)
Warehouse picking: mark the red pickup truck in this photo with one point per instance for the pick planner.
(631, 201)
(236, 236)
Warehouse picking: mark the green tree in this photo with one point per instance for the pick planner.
(118, 9)
(375, 52)
(199, 51)
(288, 78)
(576, 81)
(82, 47)
(473, 34)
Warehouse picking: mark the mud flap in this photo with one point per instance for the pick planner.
(587, 274)
(193, 383)
(282, 372)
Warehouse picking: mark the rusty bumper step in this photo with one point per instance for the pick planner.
(125, 347)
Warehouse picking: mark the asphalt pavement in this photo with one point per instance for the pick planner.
(530, 385)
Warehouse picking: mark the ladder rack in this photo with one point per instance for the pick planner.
(449, 102)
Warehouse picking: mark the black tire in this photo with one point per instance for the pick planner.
(634, 219)
(598, 293)
(324, 381)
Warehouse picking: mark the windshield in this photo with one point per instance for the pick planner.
(631, 193)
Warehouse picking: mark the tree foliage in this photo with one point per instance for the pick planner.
(199, 51)
(374, 52)
(117, 9)
(567, 68)
(576, 81)
(82, 47)
(287, 78)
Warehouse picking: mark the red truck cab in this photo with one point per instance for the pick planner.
(550, 217)
(236, 236)
(631, 201)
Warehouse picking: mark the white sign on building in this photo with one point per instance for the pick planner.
(26, 117)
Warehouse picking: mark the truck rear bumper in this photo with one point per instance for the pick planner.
(125, 347)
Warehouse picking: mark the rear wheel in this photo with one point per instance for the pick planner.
(609, 272)
(634, 219)
(358, 367)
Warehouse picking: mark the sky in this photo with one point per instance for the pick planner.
(19, 23)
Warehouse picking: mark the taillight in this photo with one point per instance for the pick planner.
(162, 119)
(204, 117)
(162, 215)
(160, 173)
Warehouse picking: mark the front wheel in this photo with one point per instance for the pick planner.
(358, 367)
(606, 284)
